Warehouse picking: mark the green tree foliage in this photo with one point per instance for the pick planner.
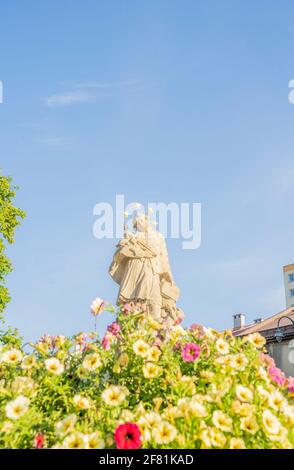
(10, 218)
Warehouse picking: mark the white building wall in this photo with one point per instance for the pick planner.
(283, 354)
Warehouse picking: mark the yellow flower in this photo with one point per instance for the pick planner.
(76, 440)
(66, 425)
(17, 408)
(208, 375)
(141, 348)
(140, 409)
(288, 412)
(184, 406)
(209, 332)
(256, 340)
(244, 393)
(23, 385)
(61, 354)
(42, 347)
(81, 373)
(123, 360)
(263, 393)
(171, 412)
(270, 422)
(152, 418)
(197, 409)
(246, 409)
(153, 354)
(276, 400)
(211, 437)
(181, 441)
(144, 429)
(54, 366)
(109, 441)
(94, 441)
(157, 403)
(280, 436)
(236, 406)
(222, 346)
(114, 395)
(82, 403)
(6, 427)
(12, 356)
(57, 446)
(60, 340)
(176, 332)
(191, 406)
(91, 362)
(205, 437)
(242, 409)
(224, 386)
(222, 421)
(238, 361)
(262, 373)
(154, 325)
(151, 371)
(187, 382)
(217, 438)
(249, 424)
(163, 433)
(237, 443)
(126, 416)
(28, 362)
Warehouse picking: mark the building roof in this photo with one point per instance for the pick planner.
(289, 267)
(268, 325)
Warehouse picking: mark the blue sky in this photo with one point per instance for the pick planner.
(161, 101)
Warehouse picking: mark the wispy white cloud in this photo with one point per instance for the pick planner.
(88, 91)
(127, 84)
(69, 98)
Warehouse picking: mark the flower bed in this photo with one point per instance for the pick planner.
(144, 386)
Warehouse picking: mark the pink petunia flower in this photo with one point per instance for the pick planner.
(106, 342)
(127, 308)
(290, 384)
(191, 352)
(277, 375)
(267, 360)
(197, 329)
(114, 328)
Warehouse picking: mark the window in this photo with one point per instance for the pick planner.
(291, 277)
(291, 292)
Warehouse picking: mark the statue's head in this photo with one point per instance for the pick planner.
(141, 223)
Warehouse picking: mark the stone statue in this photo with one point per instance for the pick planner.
(141, 268)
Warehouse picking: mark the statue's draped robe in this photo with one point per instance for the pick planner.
(139, 265)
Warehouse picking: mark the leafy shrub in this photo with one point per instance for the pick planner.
(10, 217)
(144, 386)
